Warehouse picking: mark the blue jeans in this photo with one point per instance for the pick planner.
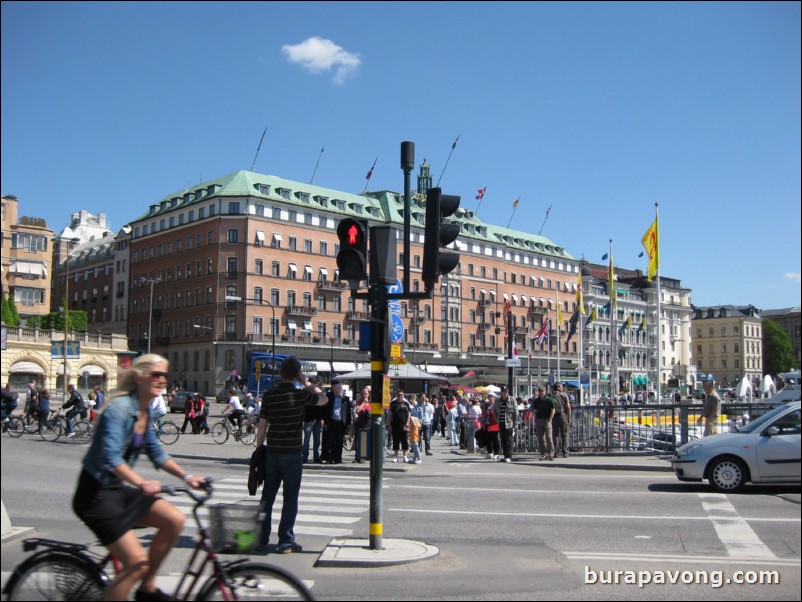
(286, 469)
(309, 431)
(72, 414)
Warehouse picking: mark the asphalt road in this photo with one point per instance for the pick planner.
(505, 531)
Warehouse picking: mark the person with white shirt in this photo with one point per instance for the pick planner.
(234, 408)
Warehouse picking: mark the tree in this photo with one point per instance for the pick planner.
(777, 356)
(8, 311)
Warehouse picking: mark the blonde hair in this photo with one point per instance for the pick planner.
(126, 380)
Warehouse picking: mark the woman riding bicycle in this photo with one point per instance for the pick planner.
(112, 499)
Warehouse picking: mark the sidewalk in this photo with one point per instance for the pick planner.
(234, 452)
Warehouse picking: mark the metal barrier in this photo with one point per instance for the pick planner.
(645, 428)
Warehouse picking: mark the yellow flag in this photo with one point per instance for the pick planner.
(559, 315)
(580, 301)
(650, 241)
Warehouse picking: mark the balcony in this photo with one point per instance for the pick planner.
(291, 338)
(300, 310)
(332, 285)
(520, 330)
(485, 302)
(415, 320)
(484, 326)
(425, 346)
(358, 316)
(538, 311)
(483, 349)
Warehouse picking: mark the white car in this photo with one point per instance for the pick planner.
(767, 450)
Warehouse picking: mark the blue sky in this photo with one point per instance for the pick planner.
(598, 110)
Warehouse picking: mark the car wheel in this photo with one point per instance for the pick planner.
(727, 475)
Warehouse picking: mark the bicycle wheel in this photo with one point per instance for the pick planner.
(15, 426)
(32, 426)
(56, 576)
(256, 581)
(52, 432)
(247, 433)
(83, 432)
(168, 433)
(219, 432)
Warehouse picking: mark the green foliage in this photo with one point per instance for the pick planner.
(32, 221)
(55, 321)
(777, 356)
(8, 311)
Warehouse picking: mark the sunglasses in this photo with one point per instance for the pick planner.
(159, 375)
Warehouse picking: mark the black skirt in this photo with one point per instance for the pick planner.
(112, 510)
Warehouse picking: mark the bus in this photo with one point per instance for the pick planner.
(260, 373)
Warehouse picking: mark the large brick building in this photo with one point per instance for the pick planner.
(246, 261)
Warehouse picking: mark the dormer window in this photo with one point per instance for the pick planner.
(303, 197)
(322, 200)
(284, 193)
(263, 188)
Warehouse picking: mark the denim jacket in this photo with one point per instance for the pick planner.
(114, 433)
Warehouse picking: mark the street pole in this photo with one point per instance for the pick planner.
(67, 310)
(150, 281)
(273, 346)
(378, 356)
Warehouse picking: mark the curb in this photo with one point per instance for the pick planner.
(357, 553)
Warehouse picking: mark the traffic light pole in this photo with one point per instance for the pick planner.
(378, 363)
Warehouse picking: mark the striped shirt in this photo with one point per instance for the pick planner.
(284, 409)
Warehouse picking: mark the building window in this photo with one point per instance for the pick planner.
(231, 267)
(233, 208)
(274, 297)
(275, 269)
(257, 295)
(258, 267)
(233, 235)
(293, 242)
(324, 248)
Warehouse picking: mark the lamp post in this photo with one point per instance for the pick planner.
(214, 371)
(273, 326)
(151, 282)
(67, 308)
(331, 354)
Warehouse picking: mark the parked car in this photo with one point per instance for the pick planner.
(767, 450)
(180, 399)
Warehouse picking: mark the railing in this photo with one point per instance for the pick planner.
(482, 349)
(358, 316)
(301, 310)
(332, 285)
(650, 428)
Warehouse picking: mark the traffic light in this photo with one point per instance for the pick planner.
(438, 235)
(352, 257)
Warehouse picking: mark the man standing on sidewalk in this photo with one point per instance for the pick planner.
(544, 413)
(281, 428)
(427, 421)
(561, 421)
(711, 410)
(506, 411)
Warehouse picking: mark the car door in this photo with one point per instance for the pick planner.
(778, 455)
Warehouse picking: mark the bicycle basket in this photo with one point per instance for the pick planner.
(234, 528)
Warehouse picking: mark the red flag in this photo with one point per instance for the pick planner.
(370, 173)
(481, 194)
(515, 204)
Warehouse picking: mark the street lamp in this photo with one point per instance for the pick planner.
(151, 282)
(75, 240)
(331, 354)
(273, 326)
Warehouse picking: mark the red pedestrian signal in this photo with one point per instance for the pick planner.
(353, 254)
(353, 233)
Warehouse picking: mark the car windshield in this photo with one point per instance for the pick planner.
(758, 423)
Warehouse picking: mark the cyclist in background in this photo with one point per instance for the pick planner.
(78, 405)
(112, 499)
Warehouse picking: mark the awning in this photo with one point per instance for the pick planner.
(293, 268)
(291, 324)
(506, 296)
(307, 325)
(344, 366)
(442, 370)
(260, 236)
(277, 237)
(92, 369)
(26, 368)
(525, 299)
(324, 272)
(514, 298)
(492, 292)
(308, 269)
(32, 268)
(322, 366)
(483, 291)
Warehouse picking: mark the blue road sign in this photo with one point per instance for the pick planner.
(396, 328)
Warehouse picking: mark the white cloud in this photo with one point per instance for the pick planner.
(318, 55)
(794, 276)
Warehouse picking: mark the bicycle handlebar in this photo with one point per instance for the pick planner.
(199, 498)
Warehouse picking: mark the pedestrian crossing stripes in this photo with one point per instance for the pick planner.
(328, 505)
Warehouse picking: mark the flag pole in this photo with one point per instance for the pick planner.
(559, 327)
(258, 148)
(613, 328)
(659, 337)
(544, 220)
(453, 146)
(370, 175)
(514, 207)
(318, 163)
